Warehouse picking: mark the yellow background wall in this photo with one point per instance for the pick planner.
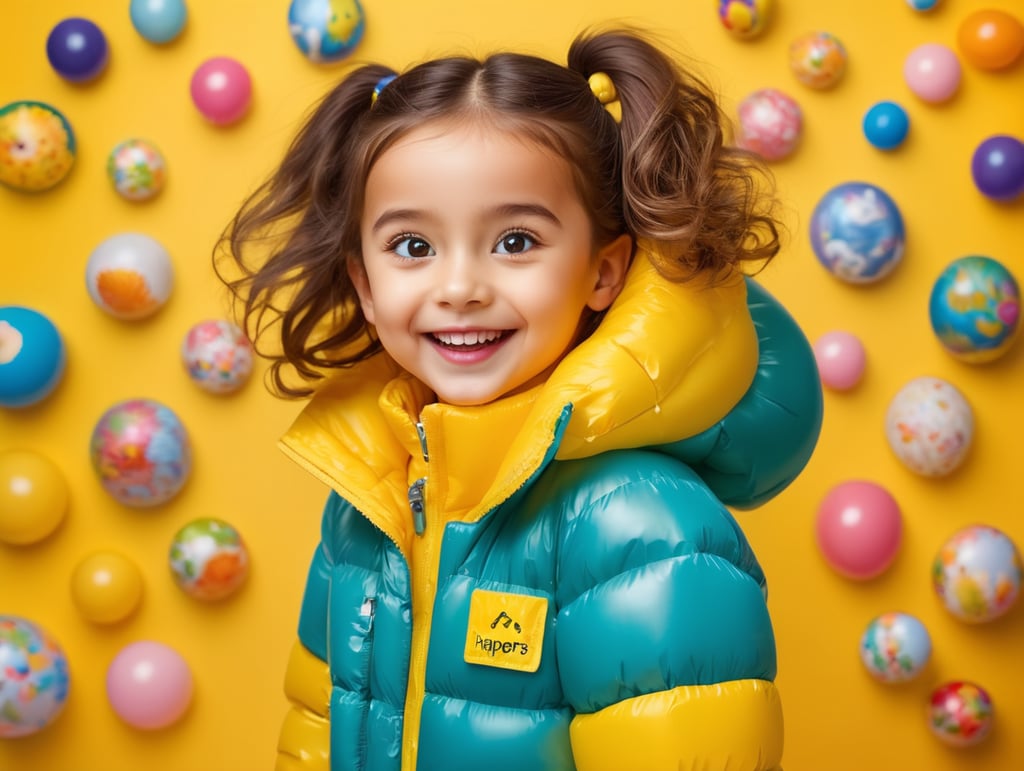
(838, 719)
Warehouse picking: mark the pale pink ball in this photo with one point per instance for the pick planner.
(859, 529)
(221, 89)
(841, 358)
(932, 71)
(149, 685)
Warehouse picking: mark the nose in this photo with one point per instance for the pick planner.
(463, 280)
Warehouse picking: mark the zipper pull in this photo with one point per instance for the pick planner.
(422, 433)
(419, 518)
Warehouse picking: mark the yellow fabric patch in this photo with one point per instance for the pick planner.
(505, 630)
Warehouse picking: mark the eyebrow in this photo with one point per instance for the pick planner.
(504, 210)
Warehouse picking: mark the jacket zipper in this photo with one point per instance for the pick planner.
(416, 502)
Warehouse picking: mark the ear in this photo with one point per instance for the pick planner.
(611, 265)
(361, 283)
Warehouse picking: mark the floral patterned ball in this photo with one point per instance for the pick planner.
(960, 713)
(817, 59)
(217, 355)
(895, 647)
(137, 170)
(33, 677)
(208, 559)
(977, 574)
(771, 124)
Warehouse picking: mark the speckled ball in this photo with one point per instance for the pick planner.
(745, 18)
(895, 647)
(770, 124)
(929, 425)
(977, 574)
(37, 146)
(136, 169)
(34, 678)
(960, 713)
(817, 59)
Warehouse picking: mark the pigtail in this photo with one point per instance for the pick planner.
(283, 255)
(708, 204)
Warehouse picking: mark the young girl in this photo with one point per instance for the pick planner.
(517, 290)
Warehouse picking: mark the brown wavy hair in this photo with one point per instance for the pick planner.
(664, 173)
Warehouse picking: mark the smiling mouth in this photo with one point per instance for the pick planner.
(472, 340)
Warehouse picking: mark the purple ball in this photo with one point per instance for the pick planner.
(77, 49)
(998, 167)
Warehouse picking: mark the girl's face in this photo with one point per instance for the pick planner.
(478, 260)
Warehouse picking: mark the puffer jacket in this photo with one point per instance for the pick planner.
(553, 581)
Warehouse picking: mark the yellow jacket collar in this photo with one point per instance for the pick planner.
(667, 361)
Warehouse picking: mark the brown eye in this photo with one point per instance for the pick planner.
(412, 247)
(514, 243)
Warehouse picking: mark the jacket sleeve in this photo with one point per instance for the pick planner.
(304, 743)
(665, 647)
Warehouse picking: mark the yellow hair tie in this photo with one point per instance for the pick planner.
(603, 88)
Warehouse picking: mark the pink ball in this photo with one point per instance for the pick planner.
(859, 529)
(932, 71)
(149, 685)
(221, 90)
(840, 357)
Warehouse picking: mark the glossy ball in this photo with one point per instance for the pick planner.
(221, 90)
(140, 452)
(929, 426)
(974, 309)
(932, 72)
(745, 18)
(326, 30)
(922, 5)
(960, 713)
(34, 679)
(859, 529)
(817, 59)
(977, 574)
(997, 167)
(158, 21)
(857, 232)
(217, 356)
(208, 559)
(37, 146)
(886, 125)
(77, 49)
(990, 39)
(106, 587)
(840, 358)
(149, 685)
(32, 356)
(895, 647)
(33, 496)
(129, 276)
(770, 124)
(136, 169)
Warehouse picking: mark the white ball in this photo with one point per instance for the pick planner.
(129, 276)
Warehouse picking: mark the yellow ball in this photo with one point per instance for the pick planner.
(33, 497)
(106, 587)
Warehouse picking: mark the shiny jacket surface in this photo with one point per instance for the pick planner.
(553, 581)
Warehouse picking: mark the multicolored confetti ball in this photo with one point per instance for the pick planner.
(37, 146)
(895, 647)
(930, 426)
(136, 169)
(960, 713)
(770, 124)
(857, 232)
(745, 18)
(326, 30)
(217, 355)
(208, 559)
(140, 452)
(817, 59)
(977, 574)
(975, 309)
(34, 677)
(130, 276)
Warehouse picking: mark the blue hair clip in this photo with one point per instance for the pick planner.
(381, 85)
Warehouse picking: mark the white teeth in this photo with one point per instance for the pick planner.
(468, 338)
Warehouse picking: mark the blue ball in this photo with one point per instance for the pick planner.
(326, 30)
(77, 49)
(32, 356)
(922, 5)
(857, 232)
(158, 21)
(886, 125)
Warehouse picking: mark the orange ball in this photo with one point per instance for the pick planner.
(33, 497)
(991, 39)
